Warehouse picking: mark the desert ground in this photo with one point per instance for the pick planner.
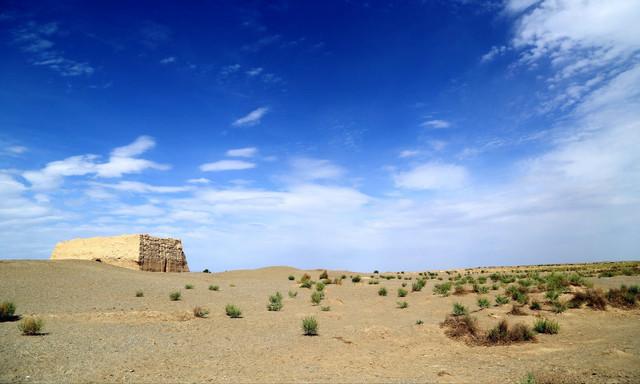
(97, 330)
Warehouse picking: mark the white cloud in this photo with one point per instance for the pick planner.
(252, 118)
(168, 60)
(408, 153)
(226, 165)
(15, 149)
(254, 71)
(138, 187)
(494, 52)
(432, 176)
(200, 180)
(304, 168)
(242, 152)
(436, 124)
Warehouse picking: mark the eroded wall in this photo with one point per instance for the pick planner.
(162, 255)
(122, 251)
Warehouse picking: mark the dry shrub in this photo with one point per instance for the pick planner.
(324, 275)
(516, 310)
(462, 327)
(594, 298)
(502, 334)
(623, 297)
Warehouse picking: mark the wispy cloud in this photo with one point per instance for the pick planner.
(436, 124)
(408, 153)
(200, 180)
(433, 176)
(254, 71)
(226, 165)
(168, 60)
(243, 152)
(252, 118)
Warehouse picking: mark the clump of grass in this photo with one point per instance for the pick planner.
(558, 307)
(316, 297)
(402, 292)
(233, 311)
(503, 334)
(214, 288)
(552, 295)
(404, 285)
(306, 284)
(291, 277)
(459, 310)
(139, 293)
(310, 326)
(535, 305)
(382, 291)
(459, 289)
(201, 312)
(418, 285)
(594, 298)
(543, 325)
(356, 279)
(419, 322)
(502, 300)
(324, 275)
(483, 302)
(462, 327)
(516, 310)
(293, 294)
(402, 304)
(275, 302)
(188, 286)
(325, 308)
(175, 296)
(7, 310)
(442, 289)
(623, 297)
(320, 286)
(31, 326)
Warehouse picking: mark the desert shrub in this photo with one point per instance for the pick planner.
(233, 311)
(325, 308)
(592, 297)
(324, 275)
(320, 286)
(343, 277)
(275, 302)
(305, 277)
(522, 298)
(442, 289)
(139, 293)
(316, 297)
(214, 288)
(459, 289)
(337, 280)
(623, 297)
(374, 282)
(200, 312)
(419, 322)
(552, 295)
(356, 279)
(417, 286)
(494, 287)
(503, 334)
(521, 332)
(7, 310)
(402, 304)
(402, 292)
(576, 280)
(175, 296)
(516, 311)
(376, 272)
(502, 300)
(306, 284)
(291, 277)
(458, 327)
(188, 286)
(382, 291)
(482, 289)
(483, 302)
(482, 279)
(293, 294)
(206, 270)
(558, 307)
(535, 305)
(459, 309)
(310, 326)
(404, 285)
(544, 325)
(31, 325)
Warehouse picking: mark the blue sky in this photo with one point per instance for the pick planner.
(399, 135)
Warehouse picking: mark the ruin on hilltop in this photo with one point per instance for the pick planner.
(139, 251)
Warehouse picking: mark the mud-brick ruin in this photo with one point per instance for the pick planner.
(140, 252)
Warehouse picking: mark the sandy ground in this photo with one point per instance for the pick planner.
(98, 331)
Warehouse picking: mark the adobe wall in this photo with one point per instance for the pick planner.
(122, 251)
(162, 255)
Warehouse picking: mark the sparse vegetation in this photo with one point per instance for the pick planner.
(175, 296)
(7, 310)
(320, 286)
(316, 297)
(483, 303)
(544, 325)
(592, 297)
(214, 288)
(504, 334)
(31, 326)
(200, 312)
(356, 279)
(139, 293)
(459, 310)
(293, 294)
(419, 322)
(310, 326)
(324, 275)
(502, 300)
(402, 304)
(535, 305)
(233, 311)
(325, 308)
(442, 289)
(382, 291)
(516, 310)
(188, 286)
(558, 307)
(291, 277)
(623, 297)
(275, 302)
(402, 292)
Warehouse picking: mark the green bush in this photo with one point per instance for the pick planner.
(310, 326)
(459, 309)
(382, 291)
(552, 295)
(418, 285)
(402, 292)
(558, 307)
(535, 305)
(325, 308)
(291, 277)
(293, 294)
(175, 296)
(419, 322)
(139, 293)
(356, 279)
(214, 288)
(306, 284)
(483, 302)
(502, 300)
(7, 310)
(442, 289)
(275, 302)
(320, 286)
(402, 304)
(188, 286)
(316, 297)
(544, 325)
(30, 326)
(233, 311)
(200, 312)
